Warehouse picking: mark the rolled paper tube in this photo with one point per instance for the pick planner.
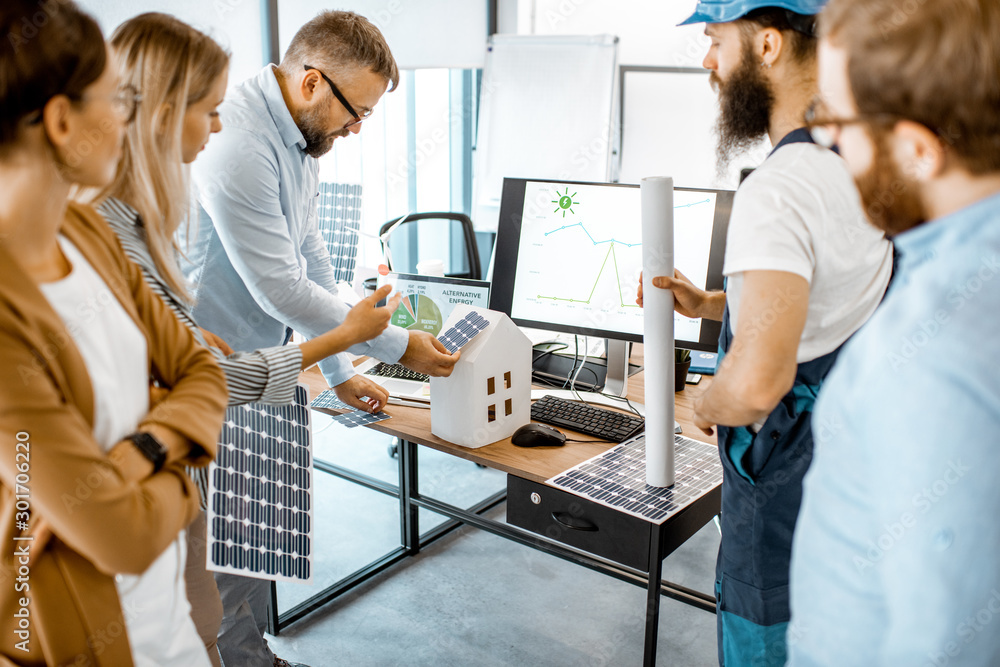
(658, 328)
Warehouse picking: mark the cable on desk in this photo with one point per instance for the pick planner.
(586, 349)
(546, 353)
(576, 359)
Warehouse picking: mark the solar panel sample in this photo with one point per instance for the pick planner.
(260, 518)
(339, 219)
(360, 418)
(617, 478)
(328, 400)
(463, 331)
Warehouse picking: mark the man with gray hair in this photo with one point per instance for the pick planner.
(259, 265)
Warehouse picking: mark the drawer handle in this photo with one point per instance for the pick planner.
(573, 523)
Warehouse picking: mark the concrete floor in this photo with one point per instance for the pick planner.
(471, 598)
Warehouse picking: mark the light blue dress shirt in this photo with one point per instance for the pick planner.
(896, 554)
(256, 256)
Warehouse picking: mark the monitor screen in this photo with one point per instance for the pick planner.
(569, 254)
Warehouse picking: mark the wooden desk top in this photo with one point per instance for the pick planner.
(537, 463)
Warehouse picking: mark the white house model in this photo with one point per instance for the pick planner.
(488, 394)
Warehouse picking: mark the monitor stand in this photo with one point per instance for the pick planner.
(616, 380)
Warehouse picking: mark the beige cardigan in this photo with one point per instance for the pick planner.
(101, 523)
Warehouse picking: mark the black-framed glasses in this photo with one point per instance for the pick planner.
(125, 103)
(358, 118)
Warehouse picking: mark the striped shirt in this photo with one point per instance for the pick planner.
(265, 376)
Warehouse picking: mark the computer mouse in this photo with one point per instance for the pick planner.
(538, 435)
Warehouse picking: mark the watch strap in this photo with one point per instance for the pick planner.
(150, 447)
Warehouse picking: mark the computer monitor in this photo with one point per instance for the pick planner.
(569, 254)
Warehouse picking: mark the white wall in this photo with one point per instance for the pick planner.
(647, 28)
(422, 33)
(236, 24)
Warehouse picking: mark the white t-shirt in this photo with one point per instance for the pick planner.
(800, 212)
(157, 612)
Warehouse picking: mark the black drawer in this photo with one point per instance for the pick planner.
(578, 522)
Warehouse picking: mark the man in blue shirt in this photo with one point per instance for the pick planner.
(896, 554)
(259, 264)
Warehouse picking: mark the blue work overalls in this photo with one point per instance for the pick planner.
(761, 494)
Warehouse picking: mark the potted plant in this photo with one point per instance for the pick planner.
(682, 362)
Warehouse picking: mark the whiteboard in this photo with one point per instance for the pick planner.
(668, 129)
(548, 109)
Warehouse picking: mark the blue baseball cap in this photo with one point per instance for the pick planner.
(724, 11)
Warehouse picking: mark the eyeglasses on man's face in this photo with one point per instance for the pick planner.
(358, 118)
(826, 128)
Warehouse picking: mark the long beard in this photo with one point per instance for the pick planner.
(746, 101)
(319, 140)
(891, 199)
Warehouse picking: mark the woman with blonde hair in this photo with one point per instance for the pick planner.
(181, 74)
(94, 496)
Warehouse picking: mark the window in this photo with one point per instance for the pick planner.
(413, 155)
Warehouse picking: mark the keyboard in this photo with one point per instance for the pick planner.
(586, 419)
(398, 371)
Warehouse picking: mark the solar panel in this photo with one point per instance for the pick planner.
(339, 220)
(328, 399)
(463, 331)
(360, 418)
(617, 478)
(260, 514)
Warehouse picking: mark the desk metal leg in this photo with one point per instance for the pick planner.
(272, 610)
(409, 477)
(653, 597)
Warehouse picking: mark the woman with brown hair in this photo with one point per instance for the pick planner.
(93, 491)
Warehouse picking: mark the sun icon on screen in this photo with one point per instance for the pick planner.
(565, 202)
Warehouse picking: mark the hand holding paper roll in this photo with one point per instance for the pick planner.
(689, 300)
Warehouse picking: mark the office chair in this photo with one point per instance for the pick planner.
(404, 243)
(339, 221)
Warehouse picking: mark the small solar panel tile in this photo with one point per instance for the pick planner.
(617, 478)
(260, 492)
(328, 399)
(360, 418)
(463, 331)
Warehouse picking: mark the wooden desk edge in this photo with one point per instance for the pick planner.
(535, 464)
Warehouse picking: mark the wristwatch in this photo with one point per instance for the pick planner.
(149, 447)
